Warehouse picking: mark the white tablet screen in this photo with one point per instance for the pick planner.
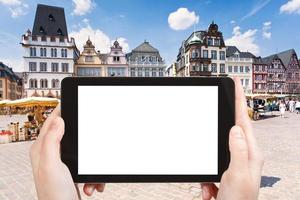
(140, 130)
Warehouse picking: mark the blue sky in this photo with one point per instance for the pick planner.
(261, 26)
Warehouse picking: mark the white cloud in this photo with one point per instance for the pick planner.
(266, 30)
(101, 41)
(244, 41)
(182, 19)
(232, 22)
(17, 8)
(292, 6)
(82, 7)
(261, 4)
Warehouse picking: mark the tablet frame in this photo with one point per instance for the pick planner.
(69, 112)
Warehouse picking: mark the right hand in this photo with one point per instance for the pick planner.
(242, 179)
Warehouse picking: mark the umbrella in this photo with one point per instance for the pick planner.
(4, 102)
(33, 101)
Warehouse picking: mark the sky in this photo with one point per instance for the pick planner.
(262, 27)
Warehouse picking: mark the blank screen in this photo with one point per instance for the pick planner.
(147, 130)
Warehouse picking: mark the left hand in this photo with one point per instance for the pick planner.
(52, 178)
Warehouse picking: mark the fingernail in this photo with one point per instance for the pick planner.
(91, 190)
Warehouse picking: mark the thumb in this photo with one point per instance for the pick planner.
(238, 149)
(51, 140)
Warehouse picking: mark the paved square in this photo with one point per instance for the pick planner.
(279, 139)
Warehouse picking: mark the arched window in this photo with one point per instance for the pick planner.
(32, 83)
(55, 83)
(44, 83)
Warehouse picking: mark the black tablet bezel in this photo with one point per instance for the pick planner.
(69, 110)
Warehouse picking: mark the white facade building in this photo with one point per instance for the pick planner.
(48, 53)
(239, 64)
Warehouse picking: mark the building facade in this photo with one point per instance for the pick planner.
(240, 64)
(89, 62)
(277, 74)
(49, 54)
(203, 53)
(259, 76)
(11, 87)
(145, 61)
(115, 61)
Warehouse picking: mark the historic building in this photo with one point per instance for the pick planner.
(89, 62)
(115, 61)
(49, 53)
(239, 64)
(10, 84)
(145, 61)
(203, 53)
(283, 73)
(259, 76)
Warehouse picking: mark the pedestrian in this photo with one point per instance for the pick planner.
(282, 108)
(292, 105)
(297, 105)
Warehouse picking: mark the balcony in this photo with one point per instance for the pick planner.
(200, 73)
(201, 60)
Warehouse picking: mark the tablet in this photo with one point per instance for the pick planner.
(146, 129)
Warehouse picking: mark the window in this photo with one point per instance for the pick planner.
(154, 73)
(1, 94)
(53, 53)
(217, 42)
(242, 82)
(61, 39)
(32, 83)
(214, 55)
(44, 38)
(116, 71)
(43, 67)
(116, 58)
(43, 52)
(65, 67)
(32, 66)
(210, 42)
(44, 83)
(55, 83)
(32, 51)
(1, 84)
(236, 69)
(64, 53)
(89, 71)
(140, 73)
(195, 53)
(241, 69)
(214, 68)
(222, 68)
(247, 69)
(222, 55)
(205, 67)
(230, 69)
(147, 74)
(257, 68)
(132, 72)
(54, 67)
(246, 82)
(53, 39)
(161, 72)
(89, 59)
(205, 54)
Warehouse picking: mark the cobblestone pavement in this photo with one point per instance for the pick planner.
(279, 139)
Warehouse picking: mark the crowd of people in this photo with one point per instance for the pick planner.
(291, 105)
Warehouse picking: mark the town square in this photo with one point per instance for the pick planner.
(52, 40)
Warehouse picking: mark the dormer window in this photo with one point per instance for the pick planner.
(59, 32)
(50, 17)
(42, 30)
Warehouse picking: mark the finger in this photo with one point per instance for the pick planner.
(242, 119)
(238, 150)
(51, 141)
(89, 189)
(209, 191)
(55, 113)
(100, 187)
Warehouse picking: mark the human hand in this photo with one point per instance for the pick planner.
(243, 176)
(52, 178)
